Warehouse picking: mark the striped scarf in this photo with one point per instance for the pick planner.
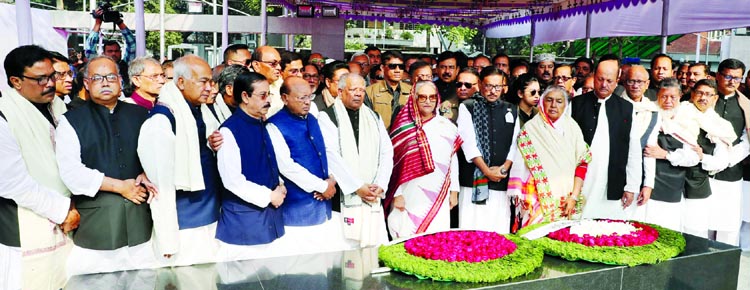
(412, 156)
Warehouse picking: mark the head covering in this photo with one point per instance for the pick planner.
(544, 57)
(412, 156)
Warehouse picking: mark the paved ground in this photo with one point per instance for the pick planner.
(744, 278)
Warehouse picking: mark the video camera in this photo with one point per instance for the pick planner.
(108, 15)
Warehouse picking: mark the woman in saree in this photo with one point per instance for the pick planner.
(551, 164)
(424, 185)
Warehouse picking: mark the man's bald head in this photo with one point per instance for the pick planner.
(193, 76)
(296, 94)
(636, 82)
(267, 61)
(605, 78)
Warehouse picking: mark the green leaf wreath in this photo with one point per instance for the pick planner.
(522, 261)
(669, 244)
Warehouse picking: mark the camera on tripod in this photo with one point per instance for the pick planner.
(108, 15)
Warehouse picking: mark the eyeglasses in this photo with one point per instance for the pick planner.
(154, 77)
(465, 85)
(363, 64)
(43, 80)
(303, 98)
(262, 96)
(310, 76)
(100, 79)
(494, 87)
(318, 60)
(62, 75)
(704, 94)
(534, 93)
(635, 82)
(562, 78)
(424, 98)
(356, 90)
(396, 65)
(731, 78)
(273, 63)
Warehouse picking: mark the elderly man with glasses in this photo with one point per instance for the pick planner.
(147, 78)
(267, 61)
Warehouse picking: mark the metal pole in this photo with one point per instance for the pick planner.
(140, 29)
(263, 22)
(215, 42)
(23, 22)
(588, 34)
(162, 44)
(664, 26)
(697, 47)
(531, 40)
(708, 45)
(484, 44)
(225, 25)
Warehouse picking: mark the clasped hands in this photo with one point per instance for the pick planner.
(137, 190)
(330, 190)
(495, 173)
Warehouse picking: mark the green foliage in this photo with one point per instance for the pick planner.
(406, 35)
(389, 33)
(170, 38)
(302, 41)
(354, 44)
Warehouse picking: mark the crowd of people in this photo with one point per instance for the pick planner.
(125, 163)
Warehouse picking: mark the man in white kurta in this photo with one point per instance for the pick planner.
(174, 153)
(366, 148)
(34, 199)
(605, 198)
(501, 125)
(307, 207)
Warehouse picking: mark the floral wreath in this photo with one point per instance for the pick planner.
(667, 245)
(509, 263)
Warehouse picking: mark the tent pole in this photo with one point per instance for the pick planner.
(697, 47)
(588, 34)
(225, 25)
(23, 22)
(263, 21)
(162, 44)
(664, 26)
(140, 29)
(531, 39)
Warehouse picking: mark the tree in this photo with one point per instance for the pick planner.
(406, 35)
(448, 35)
(354, 44)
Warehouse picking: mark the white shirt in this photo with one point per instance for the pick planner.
(385, 168)
(230, 169)
(301, 176)
(80, 179)
(469, 136)
(16, 184)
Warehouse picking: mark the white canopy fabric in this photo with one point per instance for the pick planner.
(626, 18)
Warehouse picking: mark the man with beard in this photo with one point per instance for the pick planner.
(174, 153)
(33, 198)
(583, 67)
(545, 63)
(488, 126)
(614, 175)
(96, 154)
(385, 97)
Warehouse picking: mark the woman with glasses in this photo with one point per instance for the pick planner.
(424, 185)
(524, 92)
(550, 164)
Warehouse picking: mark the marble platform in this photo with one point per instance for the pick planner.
(703, 265)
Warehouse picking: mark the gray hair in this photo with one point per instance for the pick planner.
(138, 65)
(228, 75)
(360, 54)
(182, 67)
(670, 83)
(86, 67)
(421, 84)
(348, 77)
(557, 89)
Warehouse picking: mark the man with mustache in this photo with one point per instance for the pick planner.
(31, 191)
(253, 191)
(386, 96)
(96, 154)
(606, 121)
(545, 64)
(174, 153)
(489, 127)
(310, 168)
(366, 148)
(447, 71)
(695, 73)
(502, 62)
(582, 67)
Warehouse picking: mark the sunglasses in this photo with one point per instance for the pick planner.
(534, 93)
(396, 65)
(424, 98)
(465, 85)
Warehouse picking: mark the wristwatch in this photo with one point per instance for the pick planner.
(503, 171)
